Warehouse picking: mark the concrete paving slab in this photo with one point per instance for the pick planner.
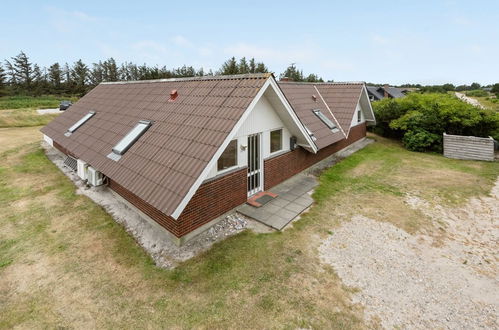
(293, 207)
(279, 202)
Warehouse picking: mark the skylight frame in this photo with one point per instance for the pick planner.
(325, 120)
(79, 123)
(129, 139)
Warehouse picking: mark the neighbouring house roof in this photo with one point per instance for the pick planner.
(379, 92)
(338, 101)
(165, 162)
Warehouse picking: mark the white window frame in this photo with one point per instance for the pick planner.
(129, 139)
(270, 141)
(79, 123)
(328, 122)
(237, 158)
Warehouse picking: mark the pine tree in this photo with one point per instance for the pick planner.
(21, 72)
(3, 81)
(261, 68)
(243, 66)
(252, 65)
(292, 73)
(110, 70)
(96, 74)
(229, 67)
(55, 77)
(79, 74)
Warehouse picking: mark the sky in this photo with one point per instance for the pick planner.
(427, 42)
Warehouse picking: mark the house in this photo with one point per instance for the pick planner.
(185, 151)
(377, 93)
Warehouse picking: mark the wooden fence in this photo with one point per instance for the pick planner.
(468, 147)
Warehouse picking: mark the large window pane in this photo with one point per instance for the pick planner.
(228, 157)
(276, 140)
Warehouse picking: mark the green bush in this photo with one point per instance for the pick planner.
(477, 93)
(421, 119)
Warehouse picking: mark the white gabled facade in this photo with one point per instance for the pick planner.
(273, 105)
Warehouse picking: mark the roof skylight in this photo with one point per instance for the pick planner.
(79, 123)
(326, 120)
(128, 140)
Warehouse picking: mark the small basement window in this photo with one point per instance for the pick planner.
(326, 120)
(228, 158)
(126, 142)
(276, 140)
(80, 122)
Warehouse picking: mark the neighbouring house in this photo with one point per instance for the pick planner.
(377, 93)
(186, 151)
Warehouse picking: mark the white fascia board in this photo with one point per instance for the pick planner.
(363, 93)
(180, 208)
(327, 106)
(366, 97)
(293, 115)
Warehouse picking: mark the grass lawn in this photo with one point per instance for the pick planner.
(488, 102)
(65, 263)
(24, 118)
(32, 102)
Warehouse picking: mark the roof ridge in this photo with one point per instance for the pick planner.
(197, 78)
(323, 83)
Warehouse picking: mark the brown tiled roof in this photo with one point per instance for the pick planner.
(164, 163)
(341, 98)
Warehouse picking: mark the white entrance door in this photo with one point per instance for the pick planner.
(255, 166)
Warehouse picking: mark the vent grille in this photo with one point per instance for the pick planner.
(71, 163)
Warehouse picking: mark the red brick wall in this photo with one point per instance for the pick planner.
(62, 149)
(211, 200)
(283, 167)
(220, 195)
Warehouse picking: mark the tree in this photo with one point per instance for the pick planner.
(292, 73)
(79, 75)
(109, 70)
(21, 72)
(96, 74)
(243, 66)
(229, 67)
(475, 85)
(313, 78)
(495, 89)
(3, 81)
(55, 77)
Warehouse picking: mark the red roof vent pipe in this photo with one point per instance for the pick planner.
(173, 95)
(314, 98)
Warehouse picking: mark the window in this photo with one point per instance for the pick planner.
(79, 123)
(359, 116)
(229, 156)
(126, 142)
(276, 140)
(325, 120)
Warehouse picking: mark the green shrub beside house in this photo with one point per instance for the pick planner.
(421, 119)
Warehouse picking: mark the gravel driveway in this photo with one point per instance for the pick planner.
(469, 100)
(407, 282)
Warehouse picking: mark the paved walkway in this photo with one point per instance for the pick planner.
(295, 193)
(293, 199)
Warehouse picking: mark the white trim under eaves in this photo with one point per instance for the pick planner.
(337, 123)
(295, 118)
(363, 92)
(270, 81)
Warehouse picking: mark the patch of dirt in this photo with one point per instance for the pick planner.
(406, 281)
(366, 168)
(11, 138)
